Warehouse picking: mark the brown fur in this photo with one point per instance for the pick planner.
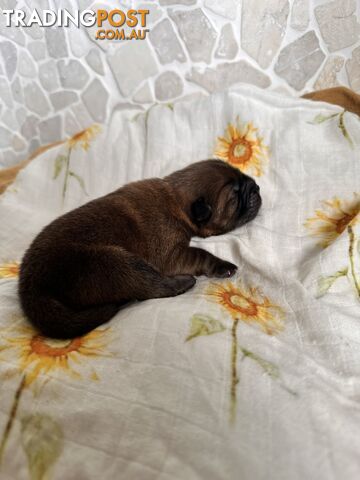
(132, 244)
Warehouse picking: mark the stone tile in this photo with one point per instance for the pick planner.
(5, 137)
(94, 60)
(33, 146)
(84, 4)
(168, 85)
(21, 115)
(177, 2)
(35, 32)
(48, 76)
(165, 43)
(144, 94)
(72, 74)
(63, 99)
(300, 15)
(14, 34)
(197, 33)
(56, 42)
(35, 99)
(8, 4)
(37, 50)
(328, 74)
(78, 41)
(26, 66)
(18, 144)
(154, 15)
(227, 47)
(263, 26)
(95, 98)
(29, 127)
(353, 70)
(227, 74)
(224, 8)
(131, 65)
(8, 52)
(5, 93)
(338, 23)
(300, 60)
(16, 90)
(10, 121)
(43, 4)
(50, 130)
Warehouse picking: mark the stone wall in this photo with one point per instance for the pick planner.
(54, 82)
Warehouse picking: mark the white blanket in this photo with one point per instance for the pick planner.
(253, 378)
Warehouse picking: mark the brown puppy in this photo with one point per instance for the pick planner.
(132, 244)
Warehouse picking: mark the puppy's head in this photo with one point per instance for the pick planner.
(218, 197)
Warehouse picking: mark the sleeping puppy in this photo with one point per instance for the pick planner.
(132, 244)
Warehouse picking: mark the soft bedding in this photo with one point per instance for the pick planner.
(256, 377)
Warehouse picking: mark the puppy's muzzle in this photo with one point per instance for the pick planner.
(250, 201)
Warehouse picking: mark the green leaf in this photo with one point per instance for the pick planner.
(270, 368)
(79, 179)
(59, 163)
(322, 118)
(42, 439)
(342, 127)
(325, 283)
(204, 325)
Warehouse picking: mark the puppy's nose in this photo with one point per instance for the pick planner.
(255, 188)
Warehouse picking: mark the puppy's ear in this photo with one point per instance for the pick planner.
(200, 211)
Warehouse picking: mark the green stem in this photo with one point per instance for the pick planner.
(352, 261)
(234, 377)
(67, 169)
(12, 416)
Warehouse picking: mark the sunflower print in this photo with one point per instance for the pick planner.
(62, 161)
(249, 305)
(9, 270)
(244, 304)
(38, 355)
(84, 138)
(243, 148)
(334, 217)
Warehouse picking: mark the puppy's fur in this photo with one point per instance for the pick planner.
(132, 244)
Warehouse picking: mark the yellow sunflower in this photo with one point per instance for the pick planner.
(9, 270)
(84, 137)
(243, 148)
(332, 220)
(248, 305)
(37, 355)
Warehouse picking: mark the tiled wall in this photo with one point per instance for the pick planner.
(54, 82)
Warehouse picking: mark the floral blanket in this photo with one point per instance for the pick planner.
(253, 378)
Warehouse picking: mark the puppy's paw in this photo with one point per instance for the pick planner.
(223, 270)
(182, 283)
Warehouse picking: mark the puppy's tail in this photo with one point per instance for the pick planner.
(55, 320)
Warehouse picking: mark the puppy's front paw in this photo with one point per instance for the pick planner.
(223, 270)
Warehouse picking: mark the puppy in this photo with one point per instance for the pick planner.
(132, 244)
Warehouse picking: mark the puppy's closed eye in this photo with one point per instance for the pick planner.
(200, 211)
